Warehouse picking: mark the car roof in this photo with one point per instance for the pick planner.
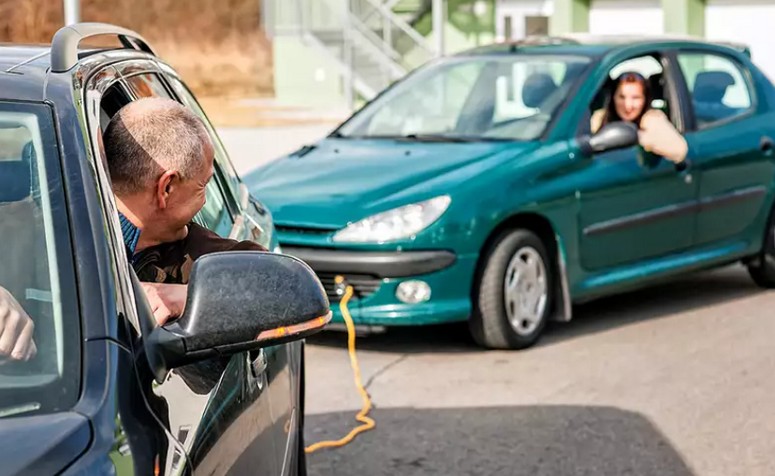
(587, 44)
(24, 69)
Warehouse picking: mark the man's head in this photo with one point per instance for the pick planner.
(160, 158)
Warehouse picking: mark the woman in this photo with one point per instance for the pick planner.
(631, 101)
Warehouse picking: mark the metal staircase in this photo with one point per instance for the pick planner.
(372, 42)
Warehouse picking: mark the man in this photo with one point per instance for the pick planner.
(160, 158)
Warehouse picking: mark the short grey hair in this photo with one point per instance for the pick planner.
(151, 135)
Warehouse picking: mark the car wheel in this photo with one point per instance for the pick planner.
(513, 295)
(762, 267)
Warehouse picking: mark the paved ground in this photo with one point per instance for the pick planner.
(251, 147)
(675, 380)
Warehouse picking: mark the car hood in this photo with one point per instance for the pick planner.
(339, 181)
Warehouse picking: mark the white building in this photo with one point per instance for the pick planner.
(751, 22)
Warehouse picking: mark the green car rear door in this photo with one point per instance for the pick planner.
(734, 150)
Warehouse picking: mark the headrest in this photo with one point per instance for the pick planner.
(15, 180)
(711, 86)
(537, 88)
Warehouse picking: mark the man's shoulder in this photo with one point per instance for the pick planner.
(201, 241)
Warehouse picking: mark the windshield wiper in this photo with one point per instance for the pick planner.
(435, 138)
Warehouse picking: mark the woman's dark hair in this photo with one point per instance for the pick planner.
(624, 78)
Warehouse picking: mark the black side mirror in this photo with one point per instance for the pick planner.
(616, 135)
(239, 301)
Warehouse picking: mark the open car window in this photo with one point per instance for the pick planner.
(215, 215)
(650, 67)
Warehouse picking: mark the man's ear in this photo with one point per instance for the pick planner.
(164, 186)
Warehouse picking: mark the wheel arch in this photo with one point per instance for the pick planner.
(542, 227)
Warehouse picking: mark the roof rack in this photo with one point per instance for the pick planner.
(64, 46)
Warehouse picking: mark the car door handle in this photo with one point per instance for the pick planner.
(766, 145)
(257, 365)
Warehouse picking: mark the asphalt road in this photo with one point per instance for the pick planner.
(674, 380)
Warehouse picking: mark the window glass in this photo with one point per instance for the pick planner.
(717, 86)
(512, 97)
(36, 277)
(147, 85)
(221, 157)
(215, 215)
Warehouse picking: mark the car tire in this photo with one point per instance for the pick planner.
(762, 267)
(509, 311)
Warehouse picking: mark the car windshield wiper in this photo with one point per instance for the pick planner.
(435, 138)
(412, 137)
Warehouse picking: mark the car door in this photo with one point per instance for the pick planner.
(734, 160)
(49, 398)
(634, 206)
(218, 411)
(253, 222)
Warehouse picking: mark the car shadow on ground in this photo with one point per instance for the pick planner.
(687, 293)
(520, 440)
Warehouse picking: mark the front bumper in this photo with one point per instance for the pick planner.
(375, 276)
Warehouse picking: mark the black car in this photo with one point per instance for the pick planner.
(217, 391)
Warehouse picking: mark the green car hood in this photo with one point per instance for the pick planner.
(340, 181)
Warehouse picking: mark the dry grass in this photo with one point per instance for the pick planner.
(216, 45)
(235, 66)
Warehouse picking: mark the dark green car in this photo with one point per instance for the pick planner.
(473, 190)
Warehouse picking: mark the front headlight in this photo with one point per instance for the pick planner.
(395, 224)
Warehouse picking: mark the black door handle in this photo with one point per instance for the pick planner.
(766, 144)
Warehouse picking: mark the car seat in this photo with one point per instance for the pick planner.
(538, 87)
(708, 93)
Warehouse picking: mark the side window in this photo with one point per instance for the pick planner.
(42, 372)
(147, 85)
(647, 67)
(718, 88)
(215, 214)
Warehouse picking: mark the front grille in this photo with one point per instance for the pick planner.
(300, 230)
(364, 285)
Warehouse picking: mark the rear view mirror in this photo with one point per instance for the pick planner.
(616, 135)
(240, 301)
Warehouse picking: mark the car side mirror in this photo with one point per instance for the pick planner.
(616, 135)
(239, 301)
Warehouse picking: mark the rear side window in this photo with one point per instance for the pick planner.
(718, 88)
(36, 270)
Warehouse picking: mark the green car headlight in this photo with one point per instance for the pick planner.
(401, 222)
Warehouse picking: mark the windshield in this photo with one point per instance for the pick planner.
(472, 98)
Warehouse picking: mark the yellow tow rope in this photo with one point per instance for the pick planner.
(367, 423)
